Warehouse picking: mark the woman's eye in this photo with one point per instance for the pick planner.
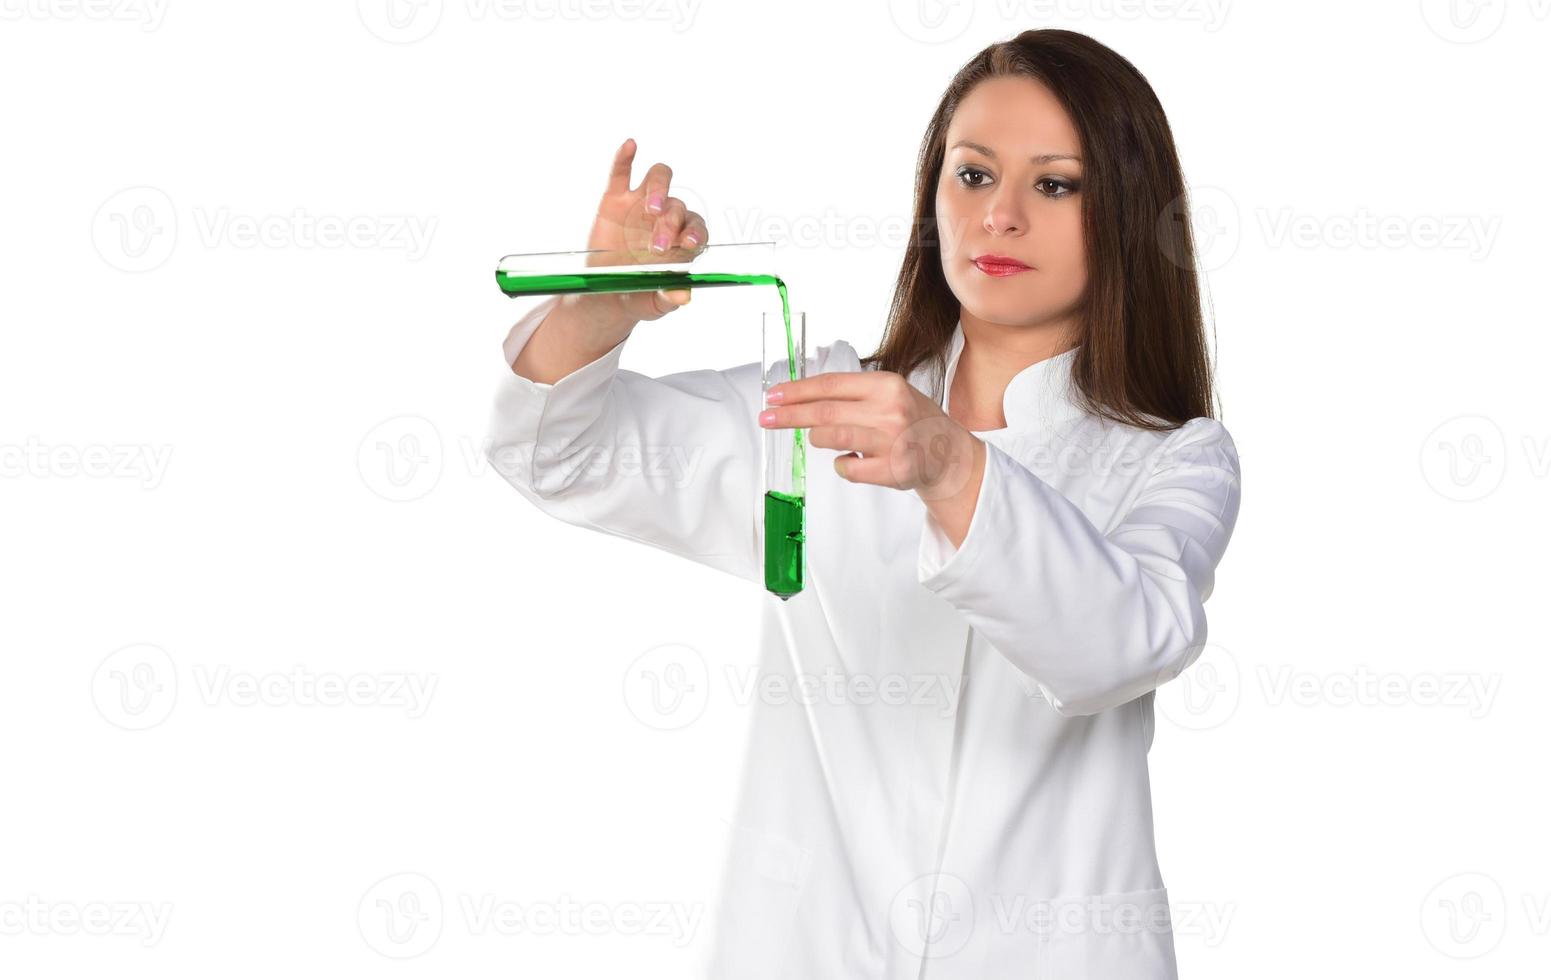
(1053, 187)
(964, 173)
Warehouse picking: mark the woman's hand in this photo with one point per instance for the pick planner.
(891, 435)
(581, 327)
(645, 225)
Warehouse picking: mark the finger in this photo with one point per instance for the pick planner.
(668, 226)
(831, 384)
(875, 470)
(655, 184)
(813, 414)
(849, 438)
(665, 301)
(619, 173)
(695, 232)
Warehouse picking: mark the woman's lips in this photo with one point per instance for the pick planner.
(996, 265)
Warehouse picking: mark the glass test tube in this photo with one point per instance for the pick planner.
(638, 270)
(785, 461)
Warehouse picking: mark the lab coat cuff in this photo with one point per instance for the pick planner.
(939, 565)
(530, 415)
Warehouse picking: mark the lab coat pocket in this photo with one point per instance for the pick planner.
(763, 885)
(1117, 934)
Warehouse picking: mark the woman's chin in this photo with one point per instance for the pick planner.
(1009, 310)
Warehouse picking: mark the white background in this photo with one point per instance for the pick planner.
(286, 486)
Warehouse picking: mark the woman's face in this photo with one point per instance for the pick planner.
(1010, 188)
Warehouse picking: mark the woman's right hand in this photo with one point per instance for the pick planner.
(645, 225)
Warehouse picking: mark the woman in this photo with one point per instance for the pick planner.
(1029, 498)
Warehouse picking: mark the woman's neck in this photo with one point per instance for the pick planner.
(992, 355)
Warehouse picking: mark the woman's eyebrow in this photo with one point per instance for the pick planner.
(1037, 158)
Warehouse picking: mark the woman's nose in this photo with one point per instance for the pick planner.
(1005, 215)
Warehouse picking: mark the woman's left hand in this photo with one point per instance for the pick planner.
(891, 434)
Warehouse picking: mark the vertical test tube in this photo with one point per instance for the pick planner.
(785, 461)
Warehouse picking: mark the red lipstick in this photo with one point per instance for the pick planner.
(999, 265)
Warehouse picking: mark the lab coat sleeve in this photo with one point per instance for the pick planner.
(1095, 619)
(672, 462)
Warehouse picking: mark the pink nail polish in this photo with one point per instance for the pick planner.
(767, 417)
(654, 203)
(774, 397)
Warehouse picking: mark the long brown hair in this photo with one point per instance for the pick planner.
(1143, 357)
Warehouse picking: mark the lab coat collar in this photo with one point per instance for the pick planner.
(1042, 395)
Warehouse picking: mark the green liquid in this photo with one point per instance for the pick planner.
(627, 282)
(783, 543)
(784, 537)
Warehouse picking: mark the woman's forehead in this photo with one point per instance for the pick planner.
(1013, 114)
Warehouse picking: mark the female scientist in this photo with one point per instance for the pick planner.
(1028, 499)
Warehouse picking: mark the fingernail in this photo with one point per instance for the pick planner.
(654, 202)
(773, 397)
(660, 243)
(767, 417)
(692, 239)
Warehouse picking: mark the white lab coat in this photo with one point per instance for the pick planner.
(996, 821)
